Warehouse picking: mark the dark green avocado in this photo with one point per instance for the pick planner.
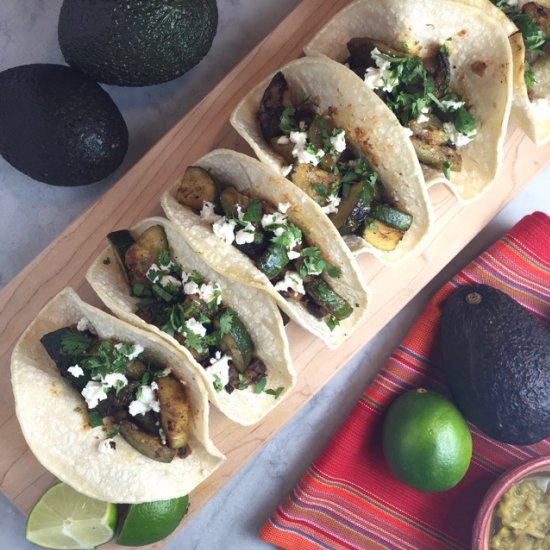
(497, 361)
(136, 42)
(58, 126)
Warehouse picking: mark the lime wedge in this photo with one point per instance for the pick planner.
(150, 522)
(65, 519)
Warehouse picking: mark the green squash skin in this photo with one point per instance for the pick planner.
(58, 126)
(496, 357)
(137, 42)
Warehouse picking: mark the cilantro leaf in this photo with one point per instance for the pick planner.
(276, 393)
(287, 123)
(260, 385)
(76, 343)
(226, 321)
(95, 419)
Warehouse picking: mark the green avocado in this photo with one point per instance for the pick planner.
(58, 126)
(136, 42)
(496, 357)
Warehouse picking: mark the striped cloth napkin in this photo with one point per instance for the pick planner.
(348, 498)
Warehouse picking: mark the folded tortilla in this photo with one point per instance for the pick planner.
(55, 425)
(370, 127)
(532, 116)
(481, 63)
(254, 178)
(257, 311)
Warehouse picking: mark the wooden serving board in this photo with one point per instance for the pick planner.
(136, 195)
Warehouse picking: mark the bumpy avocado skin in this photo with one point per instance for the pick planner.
(58, 126)
(137, 42)
(497, 361)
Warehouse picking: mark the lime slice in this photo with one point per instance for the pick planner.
(65, 519)
(150, 522)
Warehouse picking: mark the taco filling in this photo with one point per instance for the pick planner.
(323, 164)
(124, 392)
(418, 92)
(533, 21)
(263, 232)
(189, 308)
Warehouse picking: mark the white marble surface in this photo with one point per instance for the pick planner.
(33, 214)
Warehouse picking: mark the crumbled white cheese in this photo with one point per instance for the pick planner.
(302, 124)
(283, 207)
(292, 254)
(277, 218)
(208, 214)
(455, 136)
(301, 152)
(339, 141)
(191, 288)
(285, 170)
(408, 131)
(162, 436)
(541, 108)
(245, 235)
(146, 400)
(209, 292)
(83, 324)
(240, 213)
(224, 229)
(93, 393)
(153, 273)
(283, 140)
(380, 76)
(291, 281)
(423, 117)
(451, 104)
(333, 202)
(76, 371)
(195, 326)
(219, 366)
(133, 350)
(114, 380)
(106, 447)
(169, 280)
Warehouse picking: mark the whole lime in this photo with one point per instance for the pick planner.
(150, 522)
(427, 443)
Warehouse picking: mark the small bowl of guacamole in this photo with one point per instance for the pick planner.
(515, 513)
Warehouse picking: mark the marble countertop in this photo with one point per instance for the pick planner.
(33, 214)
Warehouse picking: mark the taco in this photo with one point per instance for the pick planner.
(315, 122)
(232, 334)
(109, 408)
(255, 227)
(444, 69)
(528, 26)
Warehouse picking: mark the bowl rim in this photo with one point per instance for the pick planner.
(496, 490)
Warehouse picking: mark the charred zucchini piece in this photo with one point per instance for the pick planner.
(360, 49)
(53, 344)
(120, 242)
(272, 106)
(431, 144)
(147, 444)
(314, 181)
(323, 295)
(273, 261)
(174, 411)
(283, 146)
(382, 236)
(230, 198)
(148, 422)
(145, 252)
(237, 342)
(196, 186)
(116, 402)
(135, 369)
(319, 129)
(438, 68)
(539, 14)
(353, 209)
(390, 216)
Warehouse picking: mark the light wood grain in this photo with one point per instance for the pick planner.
(136, 195)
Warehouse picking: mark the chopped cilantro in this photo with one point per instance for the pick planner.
(76, 343)
(464, 122)
(243, 383)
(254, 211)
(217, 383)
(529, 76)
(446, 168)
(332, 322)
(226, 321)
(288, 123)
(95, 419)
(138, 289)
(276, 393)
(260, 385)
(302, 96)
(114, 431)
